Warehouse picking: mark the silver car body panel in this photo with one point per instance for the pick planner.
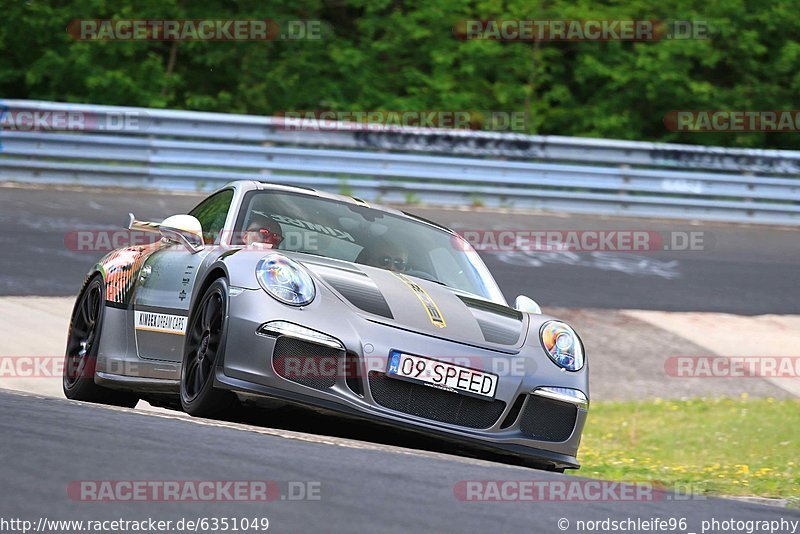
(141, 347)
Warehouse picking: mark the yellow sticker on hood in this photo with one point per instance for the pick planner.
(427, 301)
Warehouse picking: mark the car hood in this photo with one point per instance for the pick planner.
(421, 306)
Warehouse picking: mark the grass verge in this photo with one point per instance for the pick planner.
(712, 446)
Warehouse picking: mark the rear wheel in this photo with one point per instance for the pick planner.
(203, 351)
(83, 342)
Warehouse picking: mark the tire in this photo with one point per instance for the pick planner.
(203, 351)
(83, 342)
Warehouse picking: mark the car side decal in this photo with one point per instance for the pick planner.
(161, 322)
(427, 301)
(120, 270)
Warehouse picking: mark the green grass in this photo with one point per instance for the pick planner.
(710, 446)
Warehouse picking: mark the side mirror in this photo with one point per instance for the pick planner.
(525, 304)
(183, 229)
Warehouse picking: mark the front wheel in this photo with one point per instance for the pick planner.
(83, 342)
(203, 350)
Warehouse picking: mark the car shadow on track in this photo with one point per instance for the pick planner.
(300, 419)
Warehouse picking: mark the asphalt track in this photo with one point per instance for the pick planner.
(747, 270)
(48, 444)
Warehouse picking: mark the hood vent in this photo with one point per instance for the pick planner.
(360, 291)
(499, 324)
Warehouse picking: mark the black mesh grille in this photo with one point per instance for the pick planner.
(547, 419)
(432, 403)
(306, 363)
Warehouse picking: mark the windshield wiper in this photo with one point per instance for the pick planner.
(430, 280)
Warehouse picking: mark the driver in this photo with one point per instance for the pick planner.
(386, 255)
(262, 232)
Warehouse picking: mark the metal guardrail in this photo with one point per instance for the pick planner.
(140, 147)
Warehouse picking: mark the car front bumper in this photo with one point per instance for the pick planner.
(523, 419)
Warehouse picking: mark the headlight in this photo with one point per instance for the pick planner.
(285, 280)
(562, 345)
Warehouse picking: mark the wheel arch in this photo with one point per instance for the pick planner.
(214, 273)
(216, 401)
(93, 272)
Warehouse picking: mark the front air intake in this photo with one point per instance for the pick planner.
(547, 419)
(432, 403)
(306, 363)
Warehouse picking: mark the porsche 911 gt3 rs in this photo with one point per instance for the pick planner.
(266, 291)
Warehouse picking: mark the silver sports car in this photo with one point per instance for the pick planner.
(266, 293)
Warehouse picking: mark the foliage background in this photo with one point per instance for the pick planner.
(402, 55)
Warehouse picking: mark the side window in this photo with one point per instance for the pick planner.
(212, 213)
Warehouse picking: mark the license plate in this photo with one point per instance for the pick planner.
(442, 375)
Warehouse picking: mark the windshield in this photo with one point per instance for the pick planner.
(356, 233)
